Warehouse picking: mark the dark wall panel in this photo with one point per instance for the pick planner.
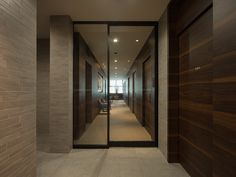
(195, 95)
(224, 88)
(181, 15)
(173, 85)
(205, 37)
(147, 52)
(42, 108)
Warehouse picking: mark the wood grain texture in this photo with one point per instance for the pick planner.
(181, 15)
(206, 86)
(173, 85)
(195, 96)
(61, 83)
(18, 88)
(224, 88)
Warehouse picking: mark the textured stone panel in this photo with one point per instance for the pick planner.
(17, 88)
(61, 84)
(163, 84)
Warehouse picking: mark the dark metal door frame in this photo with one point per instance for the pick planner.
(126, 143)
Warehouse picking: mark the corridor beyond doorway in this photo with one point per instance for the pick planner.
(124, 124)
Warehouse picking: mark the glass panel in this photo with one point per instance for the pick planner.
(90, 84)
(132, 71)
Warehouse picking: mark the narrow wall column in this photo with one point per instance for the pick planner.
(61, 84)
(163, 85)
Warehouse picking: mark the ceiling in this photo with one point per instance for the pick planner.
(98, 10)
(123, 53)
(96, 36)
(127, 48)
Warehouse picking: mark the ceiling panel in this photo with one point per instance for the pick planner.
(98, 10)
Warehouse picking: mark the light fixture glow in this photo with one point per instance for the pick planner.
(115, 61)
(115, 73)
(115, 40)
(116, 68)
(128, 60)
(137, 40)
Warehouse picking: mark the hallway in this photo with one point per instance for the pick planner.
(166, 66)
(124, 124)
(113, 162)
(123, 127)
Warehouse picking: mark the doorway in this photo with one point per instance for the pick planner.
(134, 98)
(129, 47)
(110, 58)
(88, 95)
(147, 96)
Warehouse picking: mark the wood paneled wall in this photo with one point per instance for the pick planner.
(148, 51)
(173, 85)
(18, 88)
(224, 88)
(83, 54)
(195, 96)
(202, 41)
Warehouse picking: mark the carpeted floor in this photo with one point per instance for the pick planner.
(123, 127)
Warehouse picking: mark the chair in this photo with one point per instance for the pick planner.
(102, 105)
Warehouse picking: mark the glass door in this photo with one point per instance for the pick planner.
(132, 70)
(90, 106)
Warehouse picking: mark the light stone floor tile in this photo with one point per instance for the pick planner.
(113, 162)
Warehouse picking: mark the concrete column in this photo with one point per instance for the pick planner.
(61, 58)
(163, 85)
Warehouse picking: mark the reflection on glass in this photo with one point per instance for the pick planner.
(90, 84)
(132, 92)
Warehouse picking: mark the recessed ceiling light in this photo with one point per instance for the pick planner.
(115, 40)
(128, 60)
(115, 73)
(115, 61)
(137, 40)
(116, 68)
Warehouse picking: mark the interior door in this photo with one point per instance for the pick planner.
(195, 93)
(88, 95)
(89, 92)
(134, 97)
(147, 95)
(129, 93)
